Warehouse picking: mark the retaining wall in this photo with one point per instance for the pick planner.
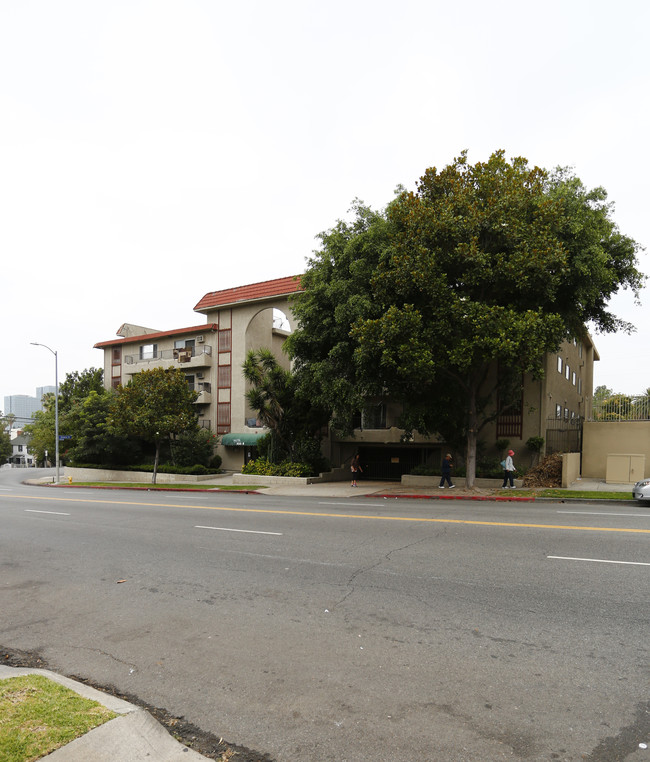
(138, 477)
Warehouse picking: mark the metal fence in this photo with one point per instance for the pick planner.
(563, 435)
(620, 407)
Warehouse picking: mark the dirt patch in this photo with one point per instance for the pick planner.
(207, 744)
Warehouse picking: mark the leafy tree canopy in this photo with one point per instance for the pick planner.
(78, 385)
(155, 405)
(495, 262)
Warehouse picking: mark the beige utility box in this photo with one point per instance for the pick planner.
(624, 468)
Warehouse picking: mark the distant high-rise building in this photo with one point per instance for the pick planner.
(41, 391)
(22, 406)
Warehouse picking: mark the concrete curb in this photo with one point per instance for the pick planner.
(492, 498)
(134, 736)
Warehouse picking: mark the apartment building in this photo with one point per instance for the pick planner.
(211, 355)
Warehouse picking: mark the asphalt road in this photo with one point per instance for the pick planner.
(353, 630)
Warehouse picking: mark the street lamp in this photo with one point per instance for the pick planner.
(56, 403)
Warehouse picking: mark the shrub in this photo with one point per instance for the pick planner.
(262, 467)
(425, 471)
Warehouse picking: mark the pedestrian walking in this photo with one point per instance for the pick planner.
(508, 471)
(447, 465)
(355, 468)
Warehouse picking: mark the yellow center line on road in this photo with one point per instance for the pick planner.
(279, 512)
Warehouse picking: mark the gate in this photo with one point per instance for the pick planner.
(563, 436)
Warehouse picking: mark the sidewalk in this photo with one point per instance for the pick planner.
(134, 736)
(396, 489)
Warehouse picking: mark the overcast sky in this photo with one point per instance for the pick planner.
(154, 150)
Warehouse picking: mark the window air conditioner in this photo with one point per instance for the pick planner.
(199, 375)
(200, 339)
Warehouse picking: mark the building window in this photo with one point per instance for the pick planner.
(224, 377)
(558, 411)
(510, 404)
(374, 417)
(566, 413)
(223, 417)
(579, 386)
(559, 364)
(148, 351)
(567, 371)
(184, 344)
(573, 378)
(117, 355)
(225, 340)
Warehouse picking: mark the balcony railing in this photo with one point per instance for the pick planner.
(194, 357)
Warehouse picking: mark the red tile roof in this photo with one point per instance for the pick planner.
(268, 289)
(149, 337)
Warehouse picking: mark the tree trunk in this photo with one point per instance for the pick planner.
(472, 439)
(155, 463)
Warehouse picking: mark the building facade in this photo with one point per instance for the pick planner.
(211, 355)
(20, 456)
(259, 315)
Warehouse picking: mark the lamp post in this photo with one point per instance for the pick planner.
(56, 403)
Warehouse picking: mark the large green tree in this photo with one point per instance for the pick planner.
(156, 405)
(93, 440)
(338, 294)
(73, 394)
(482, 266)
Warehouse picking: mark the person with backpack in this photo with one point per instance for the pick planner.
(508, 471)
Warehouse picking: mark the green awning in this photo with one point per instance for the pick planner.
(240, 440)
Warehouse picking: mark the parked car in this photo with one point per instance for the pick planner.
(641, 490)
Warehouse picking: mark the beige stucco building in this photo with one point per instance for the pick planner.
(259, 315)
(211, 355)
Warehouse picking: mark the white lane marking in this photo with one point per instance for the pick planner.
(247, 531)
(600, 513)
(186, 496)
(600, 560)
(357, 504)
(53, 513)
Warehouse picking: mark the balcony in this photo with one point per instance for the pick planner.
(185, 359)
(205, 395)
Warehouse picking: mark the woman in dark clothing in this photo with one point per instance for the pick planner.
(355, 468)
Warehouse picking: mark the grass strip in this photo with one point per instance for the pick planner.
(38, 715)
(566, 493)
(586, 494)
(147, 485)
